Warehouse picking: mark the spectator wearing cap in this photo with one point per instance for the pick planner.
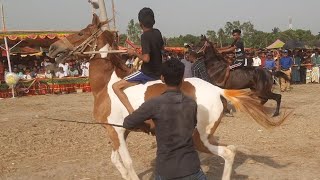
(285, 66)
(270, 63)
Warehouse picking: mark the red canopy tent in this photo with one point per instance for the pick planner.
(33, 39)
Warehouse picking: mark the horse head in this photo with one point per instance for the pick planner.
(90, 38)
(208, 50)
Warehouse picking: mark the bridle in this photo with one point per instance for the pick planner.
(91, 42)
(203, 48)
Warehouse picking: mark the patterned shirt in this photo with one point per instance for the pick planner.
(199, 70)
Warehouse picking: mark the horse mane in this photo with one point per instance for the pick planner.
(120, 67)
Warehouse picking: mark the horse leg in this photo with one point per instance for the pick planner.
(226, 111)
(202, 143)
(277, 98)
(115, 156)
(205, 143)
(125, 156)
(264, 101)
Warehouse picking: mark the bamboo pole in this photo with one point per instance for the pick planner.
(103, 14)
(6, 45)
(114, 16)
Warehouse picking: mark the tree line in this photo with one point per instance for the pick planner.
(252, 37)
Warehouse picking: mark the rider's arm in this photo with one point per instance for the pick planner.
(144, 57)
(230, 49)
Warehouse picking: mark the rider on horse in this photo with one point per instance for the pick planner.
(237, 47)
(152, 45)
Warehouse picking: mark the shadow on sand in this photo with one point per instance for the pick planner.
(216, 165)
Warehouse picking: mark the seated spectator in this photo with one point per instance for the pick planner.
(60, 73)
(48, 74)
(85, 68)
(41, 73)
(19, 73)
(34, 72)
(74, 72)
(27, 75)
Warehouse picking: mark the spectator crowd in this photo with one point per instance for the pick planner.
(30, 67)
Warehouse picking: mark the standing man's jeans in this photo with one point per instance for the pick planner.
(197, 176)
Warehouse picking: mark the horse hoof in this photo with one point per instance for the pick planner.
(228, 114)
(276, 114)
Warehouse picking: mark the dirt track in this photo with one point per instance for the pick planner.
(34, 148)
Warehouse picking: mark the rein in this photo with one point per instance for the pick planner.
(81, 122)
(203, 48)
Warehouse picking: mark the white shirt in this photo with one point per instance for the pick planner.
(65, 68)
(85, 69)
(27, 76)
(256, 62)
(59, 74)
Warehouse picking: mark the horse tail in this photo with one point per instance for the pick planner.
(248, 103)
(280, 74)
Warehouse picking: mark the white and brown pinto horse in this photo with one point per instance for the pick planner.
(106, 70)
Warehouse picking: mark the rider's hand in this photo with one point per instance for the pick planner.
(131, 52)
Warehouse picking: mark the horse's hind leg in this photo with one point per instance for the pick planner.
(205, 143)
(277, 98)
(226, 152)
(226, 111)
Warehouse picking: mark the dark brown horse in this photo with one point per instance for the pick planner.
(260, 81)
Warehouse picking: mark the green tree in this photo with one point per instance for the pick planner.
(134, 31)
(122, 39)
(222, 37)
(230, 26)
(275, 30)
(212, 35)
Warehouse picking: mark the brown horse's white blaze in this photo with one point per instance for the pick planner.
(108, 108)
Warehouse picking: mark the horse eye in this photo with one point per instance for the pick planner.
(80, 33)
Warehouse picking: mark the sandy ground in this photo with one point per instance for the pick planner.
(35, 148)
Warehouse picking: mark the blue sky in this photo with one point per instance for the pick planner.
(173, 17)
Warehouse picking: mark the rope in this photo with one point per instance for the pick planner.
(81, 122)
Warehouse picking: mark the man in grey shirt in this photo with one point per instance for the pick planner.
(187, 66)
(175, 117)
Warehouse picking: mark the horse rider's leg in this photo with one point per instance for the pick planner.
(115, 156)
(125, 156)
(118, 89)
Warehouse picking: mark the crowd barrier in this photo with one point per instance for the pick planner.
(47, 86)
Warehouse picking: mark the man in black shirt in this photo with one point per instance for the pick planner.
(237, 47)
(175, 116)
(151, 44)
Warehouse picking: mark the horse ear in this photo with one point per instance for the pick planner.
(95, 20)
